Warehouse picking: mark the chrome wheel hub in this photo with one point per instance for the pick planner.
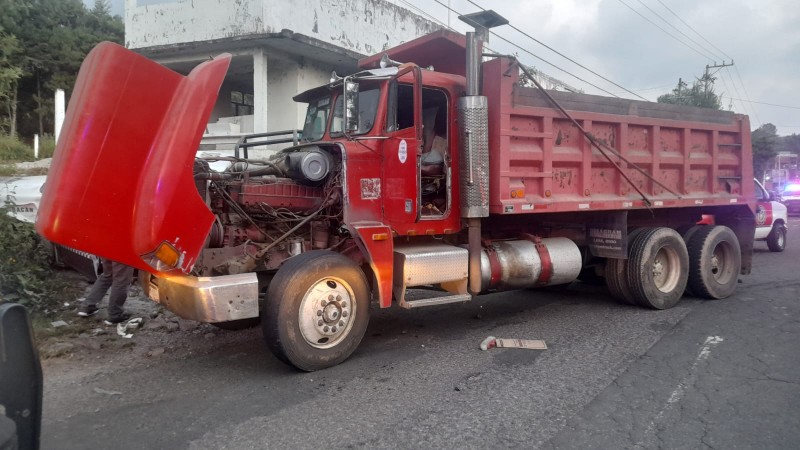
(326, 312)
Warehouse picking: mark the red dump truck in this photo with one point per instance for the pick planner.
(441, 170)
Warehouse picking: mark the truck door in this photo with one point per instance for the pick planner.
(402, 150)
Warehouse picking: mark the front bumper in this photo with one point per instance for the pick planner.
(205, 299)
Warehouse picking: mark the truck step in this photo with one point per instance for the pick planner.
(437, 301)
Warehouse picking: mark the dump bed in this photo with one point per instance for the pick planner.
(541, 162)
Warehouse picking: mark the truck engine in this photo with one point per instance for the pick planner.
(269, 210)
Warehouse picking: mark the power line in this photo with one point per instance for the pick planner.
(536, 56)
(747, 96)
(665, 31)
(695, 31)
(765, 103)
(733, 81)
(702, 47)
(562, 55)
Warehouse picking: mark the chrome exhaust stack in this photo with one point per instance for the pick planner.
(473, 121)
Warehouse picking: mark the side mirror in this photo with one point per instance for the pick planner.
(351, 106)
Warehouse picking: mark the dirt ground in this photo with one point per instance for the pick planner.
(80, 346)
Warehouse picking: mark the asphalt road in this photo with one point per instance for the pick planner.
(717, 374)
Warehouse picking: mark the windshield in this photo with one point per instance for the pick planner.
(316, 119)
(367, 107)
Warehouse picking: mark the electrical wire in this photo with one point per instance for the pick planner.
(665, 31)
(765, 103)
(747, 96)
(695, 31)
(702, 47)
(562, 55)
(733, 81)
(536, 56)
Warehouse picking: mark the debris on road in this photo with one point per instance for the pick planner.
(530, 344)
(103, 391)
(59, 324)
(158, 351)
(132, 324)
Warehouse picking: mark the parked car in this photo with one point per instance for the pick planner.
(790, 197)
(771, 218)
(21, 195)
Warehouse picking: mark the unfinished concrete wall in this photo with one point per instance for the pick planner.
(363, 26)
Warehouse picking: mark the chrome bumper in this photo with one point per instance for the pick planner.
(205, 299)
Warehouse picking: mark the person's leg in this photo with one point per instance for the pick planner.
(100, 286)
(123, 275)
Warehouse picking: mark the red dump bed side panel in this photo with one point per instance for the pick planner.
(541, 162)
(121, 179)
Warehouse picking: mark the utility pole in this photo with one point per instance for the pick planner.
(708, 76)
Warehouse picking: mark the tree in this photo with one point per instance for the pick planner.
(56, 35)
(765, 147)
(700, 94)
(9, 76)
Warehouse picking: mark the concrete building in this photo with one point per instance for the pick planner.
(280, 48)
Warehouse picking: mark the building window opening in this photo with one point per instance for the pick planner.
(241, 103)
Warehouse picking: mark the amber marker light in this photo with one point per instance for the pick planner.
(167, 254)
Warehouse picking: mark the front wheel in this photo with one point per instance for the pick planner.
(776, 240)
(316, 311)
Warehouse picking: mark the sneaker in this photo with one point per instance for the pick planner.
(87, 310)
(117, 319)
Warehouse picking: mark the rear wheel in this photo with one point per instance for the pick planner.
(715, 260)
(776, 240)
(616, 272)
(316, 310)
(658, 268)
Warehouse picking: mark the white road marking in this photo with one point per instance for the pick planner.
(680, 389)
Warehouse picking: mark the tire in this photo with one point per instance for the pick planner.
(715, 259)
(776, 239)
(658, 268)
(316, 311)
(616, 272)
(238, 325)
(687, 231)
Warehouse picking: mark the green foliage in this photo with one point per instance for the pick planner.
(12, 149)
(25, 273)
(765, 147)
(56, 35)
(47, 146)
(701, 94)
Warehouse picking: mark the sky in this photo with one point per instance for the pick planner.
(645, 54)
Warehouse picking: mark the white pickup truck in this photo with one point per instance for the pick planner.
(771, 220)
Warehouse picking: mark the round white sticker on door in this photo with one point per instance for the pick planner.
(402, 151)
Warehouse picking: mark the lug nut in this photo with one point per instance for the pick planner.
(338, 298)
(341, 323)
(333, 329)
(320, 323)
(324, 303)
(344, 304)
(330, 297)
(326, 329)
(319, 312)
(344, 313)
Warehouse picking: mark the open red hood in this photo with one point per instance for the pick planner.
(121, 185)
